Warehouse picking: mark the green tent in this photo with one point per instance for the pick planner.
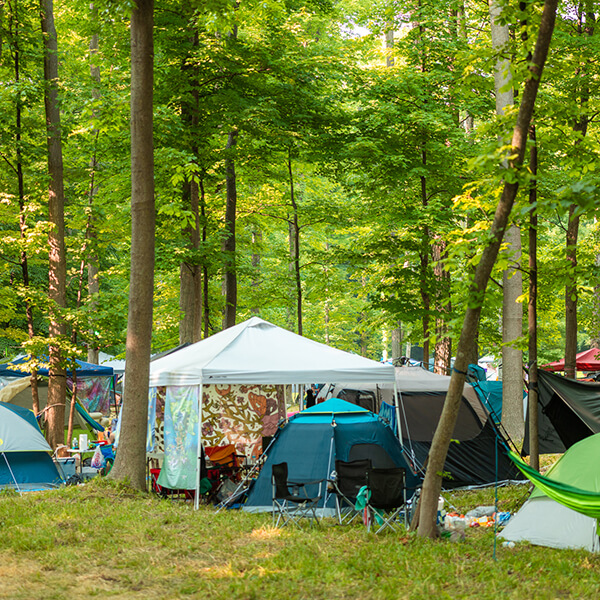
(545, 522)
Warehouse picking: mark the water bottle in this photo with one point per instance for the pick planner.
(75, 443)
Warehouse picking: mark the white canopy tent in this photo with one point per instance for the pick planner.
(258, 352)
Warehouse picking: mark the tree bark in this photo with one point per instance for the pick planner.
(441, 441)
(93, 280)
(295, 248)
(130, 461)
(230, 277)
(512, 279)
(534, 448)
(57, 272)
(580, 127)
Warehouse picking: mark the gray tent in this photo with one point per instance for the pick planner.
(568, 411)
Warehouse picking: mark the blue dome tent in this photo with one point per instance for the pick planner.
(25, 456)
(315, 438)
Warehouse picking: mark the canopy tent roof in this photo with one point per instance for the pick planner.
(16, 368)
(588, 360)
(257, 351)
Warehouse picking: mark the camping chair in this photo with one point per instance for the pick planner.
(350, 478)
(386, 496)
(290, 507)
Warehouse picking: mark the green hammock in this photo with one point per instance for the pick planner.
(581, 501)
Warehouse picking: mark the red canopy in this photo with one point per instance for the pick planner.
(588, 360)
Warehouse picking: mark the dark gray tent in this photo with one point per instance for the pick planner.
(568, 411)
(476, 455)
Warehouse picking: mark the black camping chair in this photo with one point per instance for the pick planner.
(386, 497)
(291, 506)
(350, 478)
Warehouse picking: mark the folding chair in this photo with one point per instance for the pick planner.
(350, 478)
(291, 506)
(386, 496)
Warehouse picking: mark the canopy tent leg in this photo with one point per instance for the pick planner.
(199, 450)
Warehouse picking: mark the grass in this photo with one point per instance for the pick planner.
(104, 540)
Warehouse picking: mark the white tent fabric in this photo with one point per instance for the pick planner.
(544, 522)
(259, 352)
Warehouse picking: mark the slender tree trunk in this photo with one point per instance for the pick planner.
(22, 214)
(534, 448)
(443, 345)
(396, 344)
(443, 434)
(230, 277)
(256, 274)
(57, 272)
(130, 462)
(295, 247)
(512, 280)
(190, 289)
(205, 290)
(580, 127)
(424, 259)
(93, 280)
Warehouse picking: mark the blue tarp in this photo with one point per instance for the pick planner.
(83, 369)
(490, 394)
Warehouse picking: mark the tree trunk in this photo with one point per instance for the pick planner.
(57, 271)
(443, 345)
(130, 462)
(512, 280)
(397, 344)
(443, 434)
(571, 294)
(534, 449)
(256, 275)
(22, 214)
(295, 247)
(230, 277)
(93, 280)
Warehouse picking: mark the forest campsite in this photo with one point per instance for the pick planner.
(107, 541)
(253, 204)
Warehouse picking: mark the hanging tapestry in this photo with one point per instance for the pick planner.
(94, 393)
(181, 438)
(241, 415)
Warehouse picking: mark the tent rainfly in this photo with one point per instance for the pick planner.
(25, 456)
(588, 360)
(568, 411)
(258, 352)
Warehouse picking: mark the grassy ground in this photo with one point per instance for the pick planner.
(103, 540)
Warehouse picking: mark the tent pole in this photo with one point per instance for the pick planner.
(397, 405)
(199, 450)
(12, 474)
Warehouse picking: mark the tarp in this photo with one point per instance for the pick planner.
(13, 368)
(25, 456)
(314, 438)
(545, 522)
(257, 351)
(588, 360)
(568, 411)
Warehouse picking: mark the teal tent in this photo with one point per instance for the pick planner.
(313, 439)
(546, 522)
(25, 456)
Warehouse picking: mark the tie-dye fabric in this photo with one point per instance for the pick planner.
(94, 393)
(181, 438)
